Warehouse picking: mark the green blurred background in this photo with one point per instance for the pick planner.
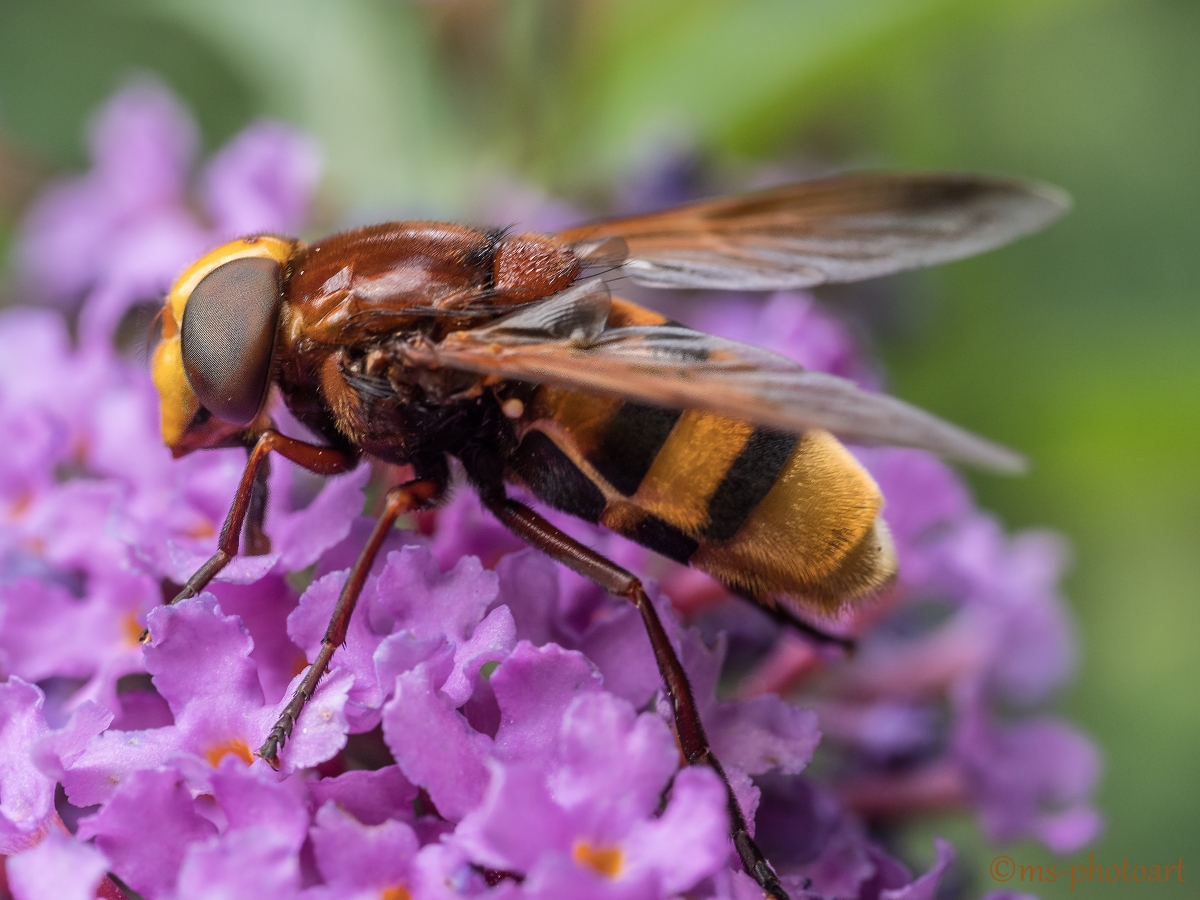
(1079, 346)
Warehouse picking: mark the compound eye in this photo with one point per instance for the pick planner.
(227, 336)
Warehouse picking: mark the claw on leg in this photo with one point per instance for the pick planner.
(400, 500)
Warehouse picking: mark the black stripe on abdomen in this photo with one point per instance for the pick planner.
(629, 443)
(748, 480)
(550, 474)
(663, 537)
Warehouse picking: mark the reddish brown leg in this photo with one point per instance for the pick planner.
(255, 541)
(787, 618)
(401, 499)
(322, 460)
(531, 527)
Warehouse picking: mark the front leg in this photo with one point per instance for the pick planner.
(322, 460)
(531, 527)
(256, 542)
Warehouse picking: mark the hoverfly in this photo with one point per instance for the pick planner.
(414, 342)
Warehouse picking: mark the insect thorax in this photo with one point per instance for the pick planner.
(399, 413)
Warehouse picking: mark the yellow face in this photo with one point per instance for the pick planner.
(179, 403)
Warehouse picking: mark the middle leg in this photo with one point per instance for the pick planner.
(400, 499)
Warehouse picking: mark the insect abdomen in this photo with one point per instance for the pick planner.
(769, 513)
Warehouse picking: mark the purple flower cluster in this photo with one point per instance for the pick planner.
(494, 726)
(124, 231)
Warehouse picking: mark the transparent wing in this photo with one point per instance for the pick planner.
(563, 342)
(836, 229)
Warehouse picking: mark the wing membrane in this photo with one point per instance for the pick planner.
(677, 367)
(836, 229)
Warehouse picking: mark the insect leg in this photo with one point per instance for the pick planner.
(257, 542)
(322, 460)
(531, 527)
(784, 616)
(400, 499)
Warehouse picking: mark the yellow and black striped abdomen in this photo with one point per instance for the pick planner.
(770, 514)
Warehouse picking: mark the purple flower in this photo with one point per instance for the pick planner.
(121, 233)
(354, 857)
(179, 831)
(758, 735)
(581, 823)
(373, 796)
(58, 867)
(256, 853)
(146, 829)
(104, 514)
(200, 664)
(420, 716)
(262, 181)
(48, 632)
(1032, 778)
(26, 794)
(141, 145)
(410, 614)
(791, 324)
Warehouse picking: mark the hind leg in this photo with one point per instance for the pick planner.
(534, 529)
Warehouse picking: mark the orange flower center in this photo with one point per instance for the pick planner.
(21, 505)
(399, 892)
(236, 746)
(132, 629)
(605, 860)
(204, 528)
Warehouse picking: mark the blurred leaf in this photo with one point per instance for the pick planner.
(359, 75)
(59, 59)
(736, 74)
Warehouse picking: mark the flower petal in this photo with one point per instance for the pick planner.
(353, 856)
(26, 794)
(690, 840)
(147, 828)
(59, 867)
(534, 686)
(420, 718)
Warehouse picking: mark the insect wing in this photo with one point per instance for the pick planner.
(677, 367)
(836, 229)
